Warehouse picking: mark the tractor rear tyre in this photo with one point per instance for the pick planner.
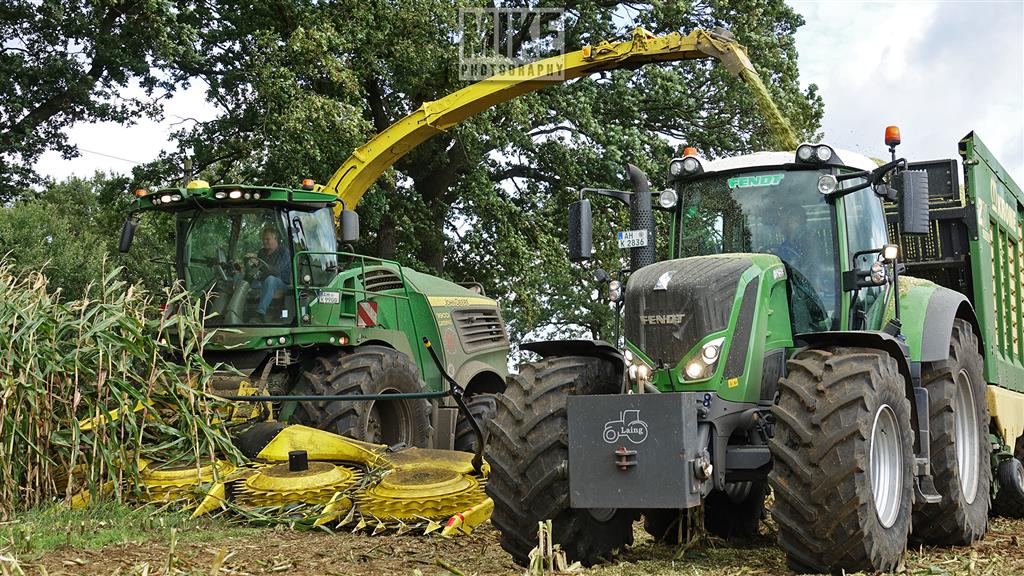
(959, 445)
(843, 461)
(481, 407)
(367, 370)
(1009, 501)
(528, 452)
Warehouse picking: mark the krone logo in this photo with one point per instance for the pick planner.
(661, 319)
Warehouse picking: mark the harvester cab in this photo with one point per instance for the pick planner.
(779, 345)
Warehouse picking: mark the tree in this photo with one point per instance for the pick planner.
(64, 62)
(302, 83)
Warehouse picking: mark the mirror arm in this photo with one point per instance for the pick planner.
(620, 195)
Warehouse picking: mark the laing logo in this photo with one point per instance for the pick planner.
(661, 319)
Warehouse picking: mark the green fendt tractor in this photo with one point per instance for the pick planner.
(302, 319)
(780, 347)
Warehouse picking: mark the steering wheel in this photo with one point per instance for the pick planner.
(255, 268)
(802, 286)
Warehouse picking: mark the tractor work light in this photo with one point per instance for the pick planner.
(804, 153)
(667, 199)
(814, 154)
(615, 290)
(167, 198)
(827, 184)
(890, 252)
(675, 167)
(691, 165)
(823, 153)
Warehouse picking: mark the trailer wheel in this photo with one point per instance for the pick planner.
(528, 452)
(959, 445)
(367, 370)
(1009, 501)
(481, 407)
(842, 455)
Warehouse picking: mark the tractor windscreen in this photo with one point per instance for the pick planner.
(768, 211)
(240, 261)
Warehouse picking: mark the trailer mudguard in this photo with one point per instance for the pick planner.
(592, 348)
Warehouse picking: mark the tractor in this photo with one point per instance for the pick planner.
(783, 346)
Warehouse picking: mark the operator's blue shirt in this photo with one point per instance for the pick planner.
(279, 263)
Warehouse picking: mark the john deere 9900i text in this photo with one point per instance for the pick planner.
(302, 320)
(780, 345)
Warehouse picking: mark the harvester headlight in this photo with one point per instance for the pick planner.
(628, 355)
(220, 195)
(691, 165)
(235, 194)
(166, 198)
(694, 370)
(675, 167)
(823, 153)
(667, 199)
(878, 274)
(805, 152)
(156, 200)
(827, 184)
(248, 195)
(255, 195)
(176, 197)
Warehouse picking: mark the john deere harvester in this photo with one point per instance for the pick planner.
(781, 344)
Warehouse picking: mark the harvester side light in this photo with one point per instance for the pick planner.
(166, 198)
(235, 194)
(827, 184)
(220, 195)
(255, 195)
(343, 340)
(668, 198)
(628, 355)
(892, 136)
(140, 192)
(308, 184)
(248, 195)
(890, 252)
(689, 151)
(175, 197)
(282, 339)
(270, 341)
(805, 152)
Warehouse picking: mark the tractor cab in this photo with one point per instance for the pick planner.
(235, 247)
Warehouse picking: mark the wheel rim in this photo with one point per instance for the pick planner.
(965, 427)
(737, 491)
(388, 422)
(886, 461)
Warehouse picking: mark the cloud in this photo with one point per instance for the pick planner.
(936, 69)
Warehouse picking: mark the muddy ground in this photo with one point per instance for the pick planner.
(280, 551)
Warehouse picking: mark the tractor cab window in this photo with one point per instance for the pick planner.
(240, 262)
(778, 212)
(866, 230)
(313, 235)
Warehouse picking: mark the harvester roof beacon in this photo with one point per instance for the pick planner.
(845, 332)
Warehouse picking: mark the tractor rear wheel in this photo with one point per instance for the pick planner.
(842, 455)
(528, 452)
(959, 444)
(482, 407)
(367, 370)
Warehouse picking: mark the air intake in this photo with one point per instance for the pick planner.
(479, 328)
(381, 279)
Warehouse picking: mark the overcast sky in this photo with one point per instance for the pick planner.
(936, 69)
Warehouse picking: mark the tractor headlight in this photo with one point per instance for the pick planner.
(667, 199)
(639, 370)
(827, 184)
(703, 365)
(614, 290)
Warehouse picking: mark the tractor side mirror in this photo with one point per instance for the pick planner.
(914, 202)
(127, 235)
(581, 242)
(349, 226)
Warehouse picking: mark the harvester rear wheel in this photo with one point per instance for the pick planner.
(842, 454)
(482, 407)
(959, 444)
(528, 451)
(367, 370)
(1009, 501)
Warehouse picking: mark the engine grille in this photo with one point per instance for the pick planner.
(696, 301)
(479, 328)
(380, 279)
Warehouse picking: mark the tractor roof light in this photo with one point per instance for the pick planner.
(675, 168)
(815, 153)
(691, 166)
(823, 153)
(804, 153)
(892, 136)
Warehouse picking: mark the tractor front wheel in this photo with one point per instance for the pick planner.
(528, 451)
(367, 370)
(842, 461)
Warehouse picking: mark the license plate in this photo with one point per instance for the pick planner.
(329, 297)
(632, 238)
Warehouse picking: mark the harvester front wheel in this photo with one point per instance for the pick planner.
(842, 454)
(959, 444)
(528, 452)
(482, 407)
(367, 370)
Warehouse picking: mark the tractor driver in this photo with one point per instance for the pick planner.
(271, 265)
